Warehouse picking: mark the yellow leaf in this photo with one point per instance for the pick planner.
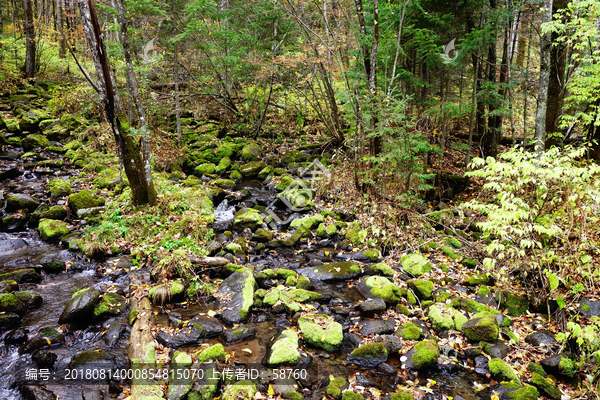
(271, 391)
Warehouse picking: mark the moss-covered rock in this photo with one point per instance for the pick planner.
(380, 287)
(223, 165)
(409, 331)
(369, 355)
(251, 152)
(441, 319)
(84, 199)
(335, 387)
(285, 349)
(321, 331)
(167, 292)
(425, 354)
(482, 327)
(34, 141)
(350, 395)
(19, 201)
(235, 175)
(60, 188)
(331, 272)
(21, 276)
(30, 299)
(265, 172)
(415, 264)
(203, 169)
(241, 390)
(372, 254)
(449, 252)
(10, 303)
(248, 218)
(237, 294)
(401, 396)
(515, 305)
(262, 235)
(381, 269)
(477, 279)
(81, 306)
(51, 229)
(524, 393)
(297, 199)
(215, 352)
(224, 183)
(422, 288)
(308, 222)
(54, 212)
(501, 371)
(251, 169)
(110, 304)
(546, 385)
(294, 156)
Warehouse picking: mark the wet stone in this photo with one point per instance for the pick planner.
(239, 334)
(81, 306)
(45, 359)
(481, 365)
(372, 306)
(18, 336)
(46, 336)
(7, 245)
(552, 364)
(392, 343)
(187, 337)
(376, 326)
(541, 338)
(210, 326)
(497, 349)
(36, 392)
(353, 339)
(113, 333)
(589, 308)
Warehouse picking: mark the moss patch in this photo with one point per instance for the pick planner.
(426, 354)
(501, 371)
(321, 331)
(213, 353)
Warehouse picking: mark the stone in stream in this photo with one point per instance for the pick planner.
(52, 229)
(45, 358)
(10, 303)
(111, 304)
(180, 385)
(167, 292)
(17, 201)
(31, 299)
(237, 296)
(332, 272)
(46, 336)
(81, 307)
(10, 173)
(207, 385)
(7, 245)
(208, 326)
(188, 336)
(369, 355)
(239, 334)
(284, 349)
(247, 218)
(541, 338)
(422, 356)
(372, 306)
(18, 336)
(241, 390)
(379, 287)
(409, 331)
(215, 352)
(251, 169)
(376, 326)
(113, 334)
(8, 319)
(9, 286)
(25, 275)
(92, 359)
(441, 318)
(321, 331)
(482, 327)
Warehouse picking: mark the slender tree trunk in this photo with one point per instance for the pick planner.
(502, 82)
(556, 92)
(176, 79)
(129, 149)
(404, 4)
(526, 91)
(545, 49)
(59, 26)
(490, 139)
(362, 27)
(30, 67)
(375, 144)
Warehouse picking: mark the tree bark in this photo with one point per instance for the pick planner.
(59, 25)
(404, 4)
(129, 149)
(176, 80)
(490, 138)
(545, 49)
(30, 44)
(556, 92)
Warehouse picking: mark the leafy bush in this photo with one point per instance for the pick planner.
(540, 214)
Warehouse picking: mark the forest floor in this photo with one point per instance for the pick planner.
(247, 260)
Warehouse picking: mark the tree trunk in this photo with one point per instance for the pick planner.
(490, 138)
(129, 149)
(176, 80)
(404, 3)
(59, 26)
(545, 49)
(362, 27)
(375, 144)
(29, 67)
(556, 93)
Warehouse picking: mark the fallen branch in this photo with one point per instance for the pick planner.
(208, 261)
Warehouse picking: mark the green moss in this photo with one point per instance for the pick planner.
(248, 218)
(223, 165)
(401, 396)
(537, 368)
(302, 296)
(459, 320)
(60, 188)
(51, 229)
(415, 264)
(350, 395)
(370, 350)
(331, 230)
(484, 291)
(545, 385)
(515, 305)
(213, 353)
(166, 292)
(524, 393)
(321, 331)
(371, 254)
(566, 366)
(242, 390)
(272, 297)
(382, 269)
(384, 289)
(303, 283)
(235, 175)
(471, 306)
(9, 303)
(422, 288)
(409, 331)
(308, 222)
(426, 354)
(285, 349)
(440, 321)
(449, 252)
(334, 389)
(501, 371)
(292, 396)
(55, 212)
(34, 141)
(84, 199)
(477, 279)
(111, 304)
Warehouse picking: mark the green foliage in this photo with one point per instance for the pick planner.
(532, 206)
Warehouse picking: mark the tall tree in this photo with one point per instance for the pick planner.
(127, 145)
(556, 82)
(30, 43)
(545, 47)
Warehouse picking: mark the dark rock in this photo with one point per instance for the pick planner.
(386, 369)
(81, 306)
(552, 364)
(588, 308)
(209, 326)
(7, 245)
(17, 201)
(372, 306)
(31, 299)
(44, 358)
(540, 338)
(392, 343)
(88, 360)
(352, 257)
(369, 355)
(113, 333)
(89, 394)
(188, 336)
(24, 275)
(353, 339)
(376, 326)
(331, 272)
(9, 173)
(47, 336)
(497, 349)
(36, 392)
(239, 289)
(481, 365)
(18, 336)
(9, 286)
(8, 320)
(239, 334)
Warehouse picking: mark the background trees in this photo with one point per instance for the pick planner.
(368, 76)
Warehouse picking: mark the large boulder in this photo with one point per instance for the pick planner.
(237, 294)
(248, 218)
(81, 307)
(30, 142)
(251, 152)
(380, 287)
(482, 327)
(332, 272)
(18, 201)
(52, 229)
(46, 336)
(321, 331)
(84, 199)
(285, 349)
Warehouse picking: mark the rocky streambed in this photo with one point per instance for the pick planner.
(291, 306)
